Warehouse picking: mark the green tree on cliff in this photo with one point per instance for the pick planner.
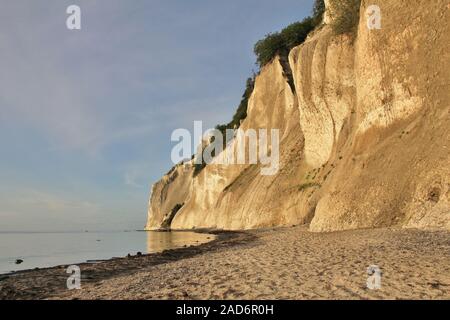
(280, 43)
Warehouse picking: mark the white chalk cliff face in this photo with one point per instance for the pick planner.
(364, 135)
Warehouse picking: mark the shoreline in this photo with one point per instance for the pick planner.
(211, 232)
(98, 270)
(276, 263)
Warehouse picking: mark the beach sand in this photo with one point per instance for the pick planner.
(287, 263)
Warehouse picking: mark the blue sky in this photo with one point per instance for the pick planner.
(86, 116)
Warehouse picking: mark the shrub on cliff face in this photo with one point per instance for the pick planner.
(235, 123)
(296, 33)
(345, 16)
(318, 11)
(241, 112)
(267, 48)
(280, 43)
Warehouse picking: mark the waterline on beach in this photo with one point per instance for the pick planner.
(42, 250)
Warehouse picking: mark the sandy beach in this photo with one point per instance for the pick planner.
(287, 263)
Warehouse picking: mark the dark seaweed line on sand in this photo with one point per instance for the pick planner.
(49, 282)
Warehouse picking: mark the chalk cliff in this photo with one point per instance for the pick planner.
(364, 135)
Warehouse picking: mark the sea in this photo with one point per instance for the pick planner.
(48, 249)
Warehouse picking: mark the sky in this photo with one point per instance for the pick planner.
(86, 115)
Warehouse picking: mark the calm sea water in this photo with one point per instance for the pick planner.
(52, 249)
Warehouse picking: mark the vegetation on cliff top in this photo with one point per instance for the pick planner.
(345, 16)
(239, 115)
(241, 112)
(281, 43)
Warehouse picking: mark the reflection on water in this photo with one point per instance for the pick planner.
(40, 249)
(160, 241)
